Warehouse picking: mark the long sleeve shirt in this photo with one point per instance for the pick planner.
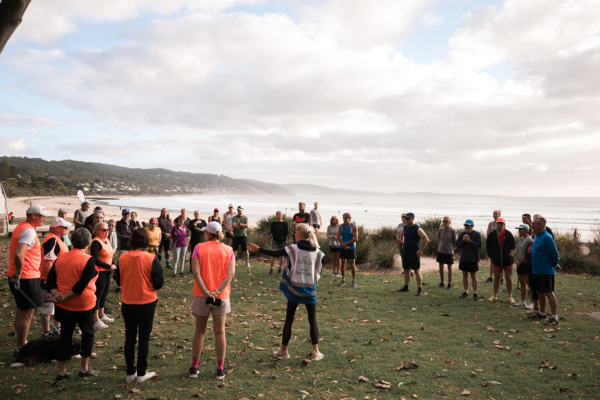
(95, 250)
(544, 255)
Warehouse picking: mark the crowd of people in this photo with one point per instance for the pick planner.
(69, 276)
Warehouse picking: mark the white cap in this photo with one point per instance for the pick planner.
(37, 209)
(231, 205)
(60, 222)
(213, 227)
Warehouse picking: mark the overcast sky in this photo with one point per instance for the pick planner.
(489, 97)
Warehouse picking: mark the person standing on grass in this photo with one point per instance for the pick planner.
(239, 223)
(102, 253)
(213, 264)
(80, 215)
(179, 235)
(25, 257)
(165, 223)
(72, 282)
(544, 261)
(334, 244)
(492, 227)
(469, 241)
(446, 247)
(197, 235)
(62, 213)
(521, 261)
(299, 284)
(315, 216)
(301, 217)
(124, 227)
(279, 232)
(140, 276)
(227, 223)
(415, 240)
(348, 236)
(215, 217)
(154, 236)
(400, 239)
(53, 247)
(500, 246)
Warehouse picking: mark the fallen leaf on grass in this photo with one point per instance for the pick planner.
(409, 365)
(367, 342)
(449, 362)
(384, 339)
(135, 390)
(363, 379)
(513, 330)
(473, 373)
(465, 392)
(383, 385)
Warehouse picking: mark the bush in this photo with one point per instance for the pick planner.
(363, 247)
(384, 234)
(262, 240)
(324, 245)
(431, 224)
(572, 258)
(383, 254)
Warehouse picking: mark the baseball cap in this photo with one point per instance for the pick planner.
(216, 209)
(500, 219)
(213, 227)
(240, 208)
(230, 206)
(98, 208)
(523, 226)
(62, 210)
(469, 222)
(37, 209)
(60, 222)
(410, 215)
(126, 211)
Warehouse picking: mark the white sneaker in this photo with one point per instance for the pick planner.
(248, 265)
(521, 303)
(130, 378)
(106, 318)
(529, 306)
(147, 377)
(100, 325)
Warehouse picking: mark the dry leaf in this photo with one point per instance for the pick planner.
(513, 330)
(384, 339)
(473, 373)
(465, 392)
(257, 372)
(135, 390)
(363, 379)
(409, 365)
(449, 362)
(383, 385)
(367, 342)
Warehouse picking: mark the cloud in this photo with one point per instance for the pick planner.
(13, 146)
(9, 117)
(432, 19)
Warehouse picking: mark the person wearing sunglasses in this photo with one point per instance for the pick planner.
(415, 240)
(501, 247)
(447, 245)
(469, 242)
(102, 253)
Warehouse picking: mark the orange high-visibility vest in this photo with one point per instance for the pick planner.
(31, 262)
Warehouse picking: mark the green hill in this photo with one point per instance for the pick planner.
(23, 176)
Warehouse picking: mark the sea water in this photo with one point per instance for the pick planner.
(375, 211)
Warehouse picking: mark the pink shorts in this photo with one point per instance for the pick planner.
(201, 309)
(507, 270)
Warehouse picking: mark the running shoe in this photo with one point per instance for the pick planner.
(100, 325)
(193, 372)
(317, 356)
(552, 321)
(118, 289)
(537, 316)
(502, 281)
(449, 285)
(442, 284)
(529, 306)
(354, 284)
(333, 275)
(60, 378)
(464, 295)
(106, 318)
(271, 271)
(248, 265)
(475, 297)
(511, 300)
(412, 273)
(342, 283)
(47, 334)
(420, 293)
(279, 271)
(402, 273)
(130, 378)
(281, 354)
(521, 303)
(181, 273)
(404, 289)
(493, 299)
(489, 280)
(88, 373)
(107, 310)
(146, 377)
(174, 275)
(221, 374)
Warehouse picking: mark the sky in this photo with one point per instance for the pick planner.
(457, 96)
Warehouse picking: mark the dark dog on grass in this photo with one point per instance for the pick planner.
(42, 350)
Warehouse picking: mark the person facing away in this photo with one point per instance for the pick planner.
(279, 233)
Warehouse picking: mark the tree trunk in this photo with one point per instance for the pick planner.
(11, 15)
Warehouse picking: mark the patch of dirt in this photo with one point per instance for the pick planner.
(594, 314)
(4, 253)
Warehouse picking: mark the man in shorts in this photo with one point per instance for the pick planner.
(279, 232)
(81, 215)
(25, 257)
(301, 217)
(348, 236)
(544, 261)
(469, 241)
(315, 216)
(400, 239)
(239, 223)
(447, 245)
(227, 221)
(53, 247)
(415, 240)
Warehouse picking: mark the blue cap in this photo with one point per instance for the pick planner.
(126, 211)
(470, 222)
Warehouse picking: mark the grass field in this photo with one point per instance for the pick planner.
(365, 331)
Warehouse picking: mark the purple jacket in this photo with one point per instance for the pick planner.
(179, 236)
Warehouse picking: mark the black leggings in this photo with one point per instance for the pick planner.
(68, 319)
(102, 288)
(311, 309)
(138, 319)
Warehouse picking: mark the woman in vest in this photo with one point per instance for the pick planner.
(154, 236)
(213, 265)
(140, 275)
(299, 284)
(72, 282)
(102, 252)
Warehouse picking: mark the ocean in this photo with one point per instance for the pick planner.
(375, 211)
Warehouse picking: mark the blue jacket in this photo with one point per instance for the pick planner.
(544, 255)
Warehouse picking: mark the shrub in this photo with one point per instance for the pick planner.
(263, 225)
(431, 224)
(572, 257)
(384, 234)
(363, 247)
(383, 254)
(324, 244)
(260, 239)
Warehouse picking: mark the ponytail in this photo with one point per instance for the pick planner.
(308, 233)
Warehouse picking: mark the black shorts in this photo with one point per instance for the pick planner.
(542, 283)
(445, 258)
(166, 245)
(468, 266)
(534, 294)
(229, 235)
(349, 254)
(522, 270)
(33, 290)
(335, 249)
(240, 241)
(411, 261)
(316, 226)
